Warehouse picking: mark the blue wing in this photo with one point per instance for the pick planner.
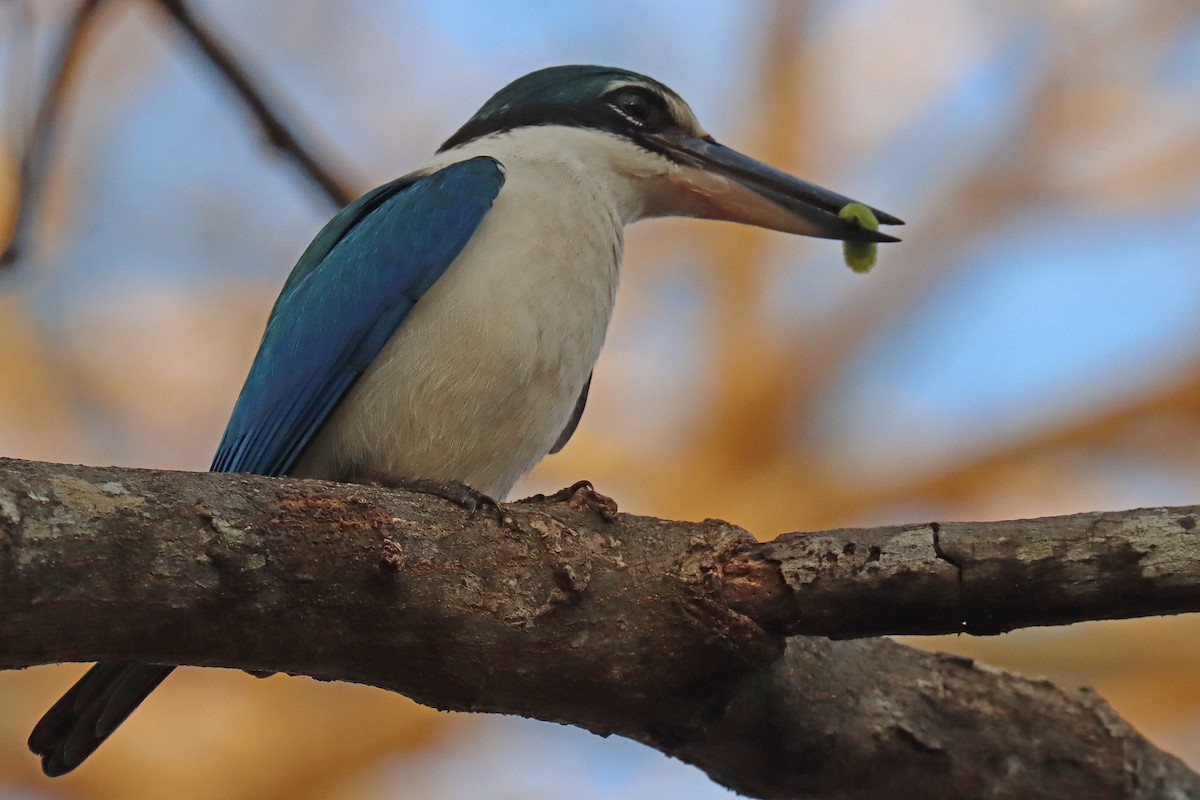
(349, 292)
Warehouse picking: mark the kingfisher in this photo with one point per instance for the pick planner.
(439, 333)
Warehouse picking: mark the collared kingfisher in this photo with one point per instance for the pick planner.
(441, 330)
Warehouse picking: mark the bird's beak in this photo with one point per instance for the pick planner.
(716, 182)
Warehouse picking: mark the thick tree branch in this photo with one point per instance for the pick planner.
(670, 633)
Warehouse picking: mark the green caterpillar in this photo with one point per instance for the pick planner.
(859, 256)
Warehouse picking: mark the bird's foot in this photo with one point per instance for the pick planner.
(580, 495)
(470, 499)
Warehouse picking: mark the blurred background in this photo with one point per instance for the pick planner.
(1032, 348)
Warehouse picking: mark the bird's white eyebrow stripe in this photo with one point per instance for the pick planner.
(618, 84)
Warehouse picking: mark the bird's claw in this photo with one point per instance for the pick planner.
(465, 497)
(562, 495)
(580, 495)
(469, 499)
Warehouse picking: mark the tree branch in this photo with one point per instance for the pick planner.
(269, 118)
(667, 632)
(39, 140)
(989, 577)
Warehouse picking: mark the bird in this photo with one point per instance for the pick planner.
(440, 332)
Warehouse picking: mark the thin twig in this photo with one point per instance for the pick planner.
(35, 158)
(270, 119)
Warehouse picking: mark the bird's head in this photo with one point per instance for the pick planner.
(679, 168)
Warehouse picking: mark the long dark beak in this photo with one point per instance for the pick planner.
(721, 183)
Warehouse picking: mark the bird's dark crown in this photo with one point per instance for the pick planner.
(604, 98)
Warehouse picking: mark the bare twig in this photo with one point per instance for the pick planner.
(269, 117)
(39, 141)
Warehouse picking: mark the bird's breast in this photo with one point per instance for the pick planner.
(483, 375)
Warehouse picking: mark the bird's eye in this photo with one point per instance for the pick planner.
(633, 105)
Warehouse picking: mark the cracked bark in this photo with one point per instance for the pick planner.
(675, 634)
(991, 577)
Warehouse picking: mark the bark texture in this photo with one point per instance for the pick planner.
(675, 634)
(991, 577)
